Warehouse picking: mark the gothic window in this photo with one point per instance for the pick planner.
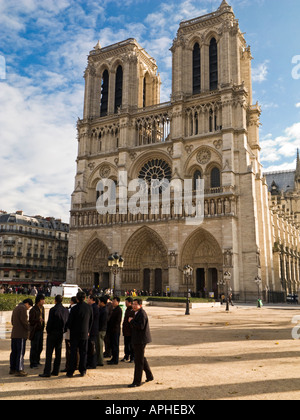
(158, 171)
(197, 175)
(196, 123)
(215, 178)
(211, 114)
(144, 93)
(119, 89)
(213, 65)
(196, 69)
(104, 94)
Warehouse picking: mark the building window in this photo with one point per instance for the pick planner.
(215, 178)
(144, 93)
(213, 65)
(119, 89)
(197, 176)
(196, 69)
(104, 94)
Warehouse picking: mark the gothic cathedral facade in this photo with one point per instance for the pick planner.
(208, 130)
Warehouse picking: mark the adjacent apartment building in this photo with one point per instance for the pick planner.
(32, 249)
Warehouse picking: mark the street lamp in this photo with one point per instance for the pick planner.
(227, 278)
(115, 264)
(221, 283)
(188, 274)
(258, 283)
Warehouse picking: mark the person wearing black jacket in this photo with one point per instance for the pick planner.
(114, 329)
(92, 357)
(103, 318)
(58, 317)
(140, 337)
(128, 349)
(80, 324)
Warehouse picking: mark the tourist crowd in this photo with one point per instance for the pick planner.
(91, 329)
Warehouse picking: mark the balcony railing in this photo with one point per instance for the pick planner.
(215, 205)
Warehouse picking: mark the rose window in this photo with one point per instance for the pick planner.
(158, 171)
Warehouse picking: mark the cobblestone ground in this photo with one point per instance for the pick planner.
(248, 353)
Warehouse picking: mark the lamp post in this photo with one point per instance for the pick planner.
(258, 283)
(188, 274)
(115, 264)
(227, 278)
(221, 283)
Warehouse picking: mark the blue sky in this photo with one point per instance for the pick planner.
(45, 44)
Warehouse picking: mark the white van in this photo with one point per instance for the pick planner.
(65, 290)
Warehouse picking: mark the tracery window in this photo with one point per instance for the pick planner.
(158, 171)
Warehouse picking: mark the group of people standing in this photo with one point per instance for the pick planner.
(87, 328)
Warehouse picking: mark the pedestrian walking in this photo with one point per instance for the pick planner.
(19, 336)
(114, 330)
(58, 317)
(140, 338)
(80, 323)
(128, 349)
(103, 317)
(37, 326)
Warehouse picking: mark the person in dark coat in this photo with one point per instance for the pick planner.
(103, 317)
(19, 336)
(110, 308)
(140, 338)
(58, 317)
(114, 330)
(128, 349)
(92, 357)
(80, 324)
(37, 326)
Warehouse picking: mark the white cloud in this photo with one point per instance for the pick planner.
(298, 105)
(38, 151)
(281, 148)
(260, 73)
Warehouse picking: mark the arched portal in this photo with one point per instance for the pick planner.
(202, 251)
(93, 269)
(146, 262)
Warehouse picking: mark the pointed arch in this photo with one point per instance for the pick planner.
(213, 64)
(104, 94)
(196, 69)
(92, 261)
(119, 88)
(145, 247)
(200, 248)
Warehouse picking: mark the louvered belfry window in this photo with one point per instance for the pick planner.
(196, 69)
(104, 94)
(213, 64)
(119, 89)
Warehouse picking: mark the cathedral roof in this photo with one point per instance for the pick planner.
(284, 180)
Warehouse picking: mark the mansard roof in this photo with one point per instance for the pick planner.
(34, 222)
(284, 180)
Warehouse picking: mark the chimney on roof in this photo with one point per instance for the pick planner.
(20, 212)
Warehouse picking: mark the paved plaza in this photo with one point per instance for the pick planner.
(248, 353)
